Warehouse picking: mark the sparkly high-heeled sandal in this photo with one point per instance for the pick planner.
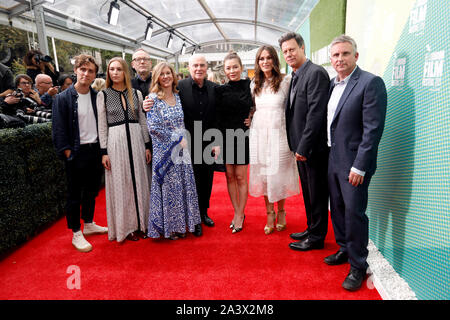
(281, 226)
(267, 229)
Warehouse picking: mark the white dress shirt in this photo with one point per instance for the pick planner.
(338, 90)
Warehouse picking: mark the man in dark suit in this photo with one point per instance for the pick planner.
(306, 112)
(198, 101)
(356, 115)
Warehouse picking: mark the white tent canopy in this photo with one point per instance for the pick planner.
(195, 23)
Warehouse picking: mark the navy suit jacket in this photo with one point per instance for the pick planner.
(358, 122)
(65, 127)
(306, 118)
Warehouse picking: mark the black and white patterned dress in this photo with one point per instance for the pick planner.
(124, 137)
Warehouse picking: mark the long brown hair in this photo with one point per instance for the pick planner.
(259, 78)
(127, 79)
(156, 87)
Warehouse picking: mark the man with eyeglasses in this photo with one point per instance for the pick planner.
(142, 64)
(45, 88)
(24, 99)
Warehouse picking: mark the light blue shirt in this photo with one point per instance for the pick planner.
(338, 91)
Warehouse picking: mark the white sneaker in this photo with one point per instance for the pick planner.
(80, 243)
(92, 228)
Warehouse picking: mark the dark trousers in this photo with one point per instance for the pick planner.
(313, 178)
(203, 175)
(84, 174)
(348, 215)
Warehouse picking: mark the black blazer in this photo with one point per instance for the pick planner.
(191, 113)
(306, 118)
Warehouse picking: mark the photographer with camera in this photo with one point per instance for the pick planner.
(36, 62)
(47, 91)
(24, 102)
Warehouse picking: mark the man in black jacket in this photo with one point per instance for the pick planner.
(75, 136)
(142, 64)
(306, 119)
(198, 101)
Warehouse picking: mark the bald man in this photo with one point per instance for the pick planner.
(44, 86)
(198, 101)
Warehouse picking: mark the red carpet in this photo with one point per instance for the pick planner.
(218, 265)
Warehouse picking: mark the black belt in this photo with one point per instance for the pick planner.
(90, 145)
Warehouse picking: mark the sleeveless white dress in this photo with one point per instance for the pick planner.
(273, 168)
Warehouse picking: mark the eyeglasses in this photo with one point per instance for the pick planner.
(25, 83)
(141, 59)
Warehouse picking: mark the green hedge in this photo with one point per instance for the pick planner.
(32, 184)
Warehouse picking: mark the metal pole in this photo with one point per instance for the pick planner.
(55, 56)
(177, 65)
(40, 28)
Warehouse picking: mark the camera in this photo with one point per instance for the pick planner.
(25, 101)
(18, 93)
(38, 58)
(31, 119)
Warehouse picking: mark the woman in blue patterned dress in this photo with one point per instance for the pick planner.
(173, 197)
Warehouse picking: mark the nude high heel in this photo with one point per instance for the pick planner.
(267, 229)
(280, 226)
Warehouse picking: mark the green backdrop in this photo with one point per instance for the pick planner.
(409, 196)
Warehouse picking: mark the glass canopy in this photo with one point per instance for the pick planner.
(197, 23)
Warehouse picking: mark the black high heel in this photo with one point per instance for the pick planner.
(240, 228)
(174, 236)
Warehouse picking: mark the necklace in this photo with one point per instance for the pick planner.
(171, 101)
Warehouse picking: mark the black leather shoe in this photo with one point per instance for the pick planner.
(306, 245)
(339, 257)
(300, 235)
(198, 230)
(207, 221)
(354, 279)
(141, 234)
(132, 237)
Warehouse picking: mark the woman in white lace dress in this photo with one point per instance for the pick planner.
(273, 170)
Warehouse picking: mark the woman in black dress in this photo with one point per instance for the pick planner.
(233, 105)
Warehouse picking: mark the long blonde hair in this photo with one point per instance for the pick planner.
(156, 87)
(127, 79)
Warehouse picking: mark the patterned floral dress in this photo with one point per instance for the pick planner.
(173, 196)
